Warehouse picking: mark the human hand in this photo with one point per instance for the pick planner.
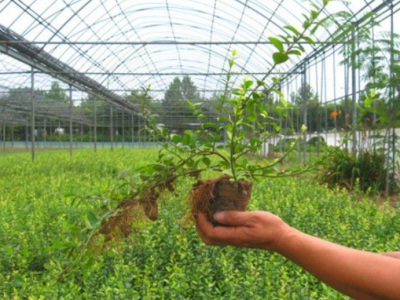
(258, 229)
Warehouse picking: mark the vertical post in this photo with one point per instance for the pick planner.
(346, 93)
(33, 114)
(81, 134)
(391, 169)
(111, 128)
(280, 124)
(44, 131)
(123, 128)
(59, 135)
(12, 136)
(70, 120)
(4, 134)
(132, 130)
(26, 135)
(304, 117)
(95, 125)
(353, 96)
(139, 131)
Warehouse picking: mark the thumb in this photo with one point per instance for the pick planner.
(232, 218)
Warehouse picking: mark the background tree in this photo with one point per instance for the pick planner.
(176, 111)
(56, 93)
(306, 95)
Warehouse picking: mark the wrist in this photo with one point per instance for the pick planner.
(286, 236)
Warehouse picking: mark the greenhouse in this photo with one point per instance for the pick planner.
(304, 92)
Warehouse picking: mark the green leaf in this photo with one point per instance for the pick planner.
(306, 24)
(175, 138)
(285, 38)
(206, 161)
(211, 124)
(229, 135)
(236, 91)
(294, 52)
(260, 82)
(92, 219)
(277, 43)
(248, 84)
(278, 92)
(292, 29)
(280, 57)
(193, 138)
(368, 102)
(315, 28)
(310, 40)
(314, 14)
(186, 140)
(283, 101)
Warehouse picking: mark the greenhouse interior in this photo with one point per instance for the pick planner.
(97, 75)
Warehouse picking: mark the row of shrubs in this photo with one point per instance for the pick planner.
(49, 207)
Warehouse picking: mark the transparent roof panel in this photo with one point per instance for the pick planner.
(125, 45)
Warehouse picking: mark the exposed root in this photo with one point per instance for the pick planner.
(119, 225)
(219, 194)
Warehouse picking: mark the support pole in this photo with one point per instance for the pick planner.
(33, 114)
(4, 134)
(391, 161)
(12, 136)
(304, 117)
(139, 131)
(123, 129)
(111, 128)
(132, 129)
(95, 125)
(70, 120)
(44, 131)
(353, 96)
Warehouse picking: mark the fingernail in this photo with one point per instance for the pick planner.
(219, 216)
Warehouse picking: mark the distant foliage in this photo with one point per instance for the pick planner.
(317, 141)
(284, 144)
(365, 170)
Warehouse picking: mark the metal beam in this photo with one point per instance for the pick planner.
(38, 59)
(147, 73)
(157, 43)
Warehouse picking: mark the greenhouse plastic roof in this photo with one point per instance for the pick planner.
(125, 45)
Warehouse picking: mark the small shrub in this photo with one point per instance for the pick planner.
(366, 170)
(317, 141)
(284, 145)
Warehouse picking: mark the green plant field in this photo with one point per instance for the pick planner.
(49, 207)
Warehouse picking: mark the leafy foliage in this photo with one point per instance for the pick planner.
(52, 205)
(365, 171)
(241, 115)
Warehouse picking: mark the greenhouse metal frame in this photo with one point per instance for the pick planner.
(72, 73)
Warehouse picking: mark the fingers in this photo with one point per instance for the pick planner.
(232, 218)
(257, 229)
(216, 236)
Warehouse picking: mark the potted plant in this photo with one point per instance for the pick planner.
(241, 119)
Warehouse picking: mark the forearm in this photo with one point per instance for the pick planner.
(395, 254)
(359, 274)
